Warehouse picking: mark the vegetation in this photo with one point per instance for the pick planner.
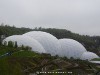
(25, 62)
(96, 59)
(16, 60)
(91, 43)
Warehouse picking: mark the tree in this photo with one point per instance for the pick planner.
(27, 48)
(10, 44)
(22, 47)
(5, 43)
(0, 40)
(16, 44)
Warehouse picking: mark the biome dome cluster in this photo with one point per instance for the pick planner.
(88, 56)
(26, 41)
(43, 42)
(71, 48)
(48, 41)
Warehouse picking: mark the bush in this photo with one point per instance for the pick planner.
(16, 45)
(10, 44)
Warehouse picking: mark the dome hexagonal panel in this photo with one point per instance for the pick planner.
(26, 41)
(48, 41)
(88, 56)
(71, 48)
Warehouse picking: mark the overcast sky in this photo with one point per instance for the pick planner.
(79, 16)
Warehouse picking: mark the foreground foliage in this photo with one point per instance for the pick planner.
(25, 62)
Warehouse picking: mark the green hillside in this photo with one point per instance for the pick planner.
(25, 62)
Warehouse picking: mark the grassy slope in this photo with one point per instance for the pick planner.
(24, 62)
(96, 59)
(7, 68)
(7, 65)
(15, 63)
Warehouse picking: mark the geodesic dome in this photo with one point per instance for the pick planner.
(71, 48)
(26, 41)
(88, 56)
(48, 41)
(43, 42)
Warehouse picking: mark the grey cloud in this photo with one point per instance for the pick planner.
(80, 16)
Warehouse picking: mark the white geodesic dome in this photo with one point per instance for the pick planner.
(43, 42)
(26, 41)
(71, 48)
(48, 41)
(88, 56)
